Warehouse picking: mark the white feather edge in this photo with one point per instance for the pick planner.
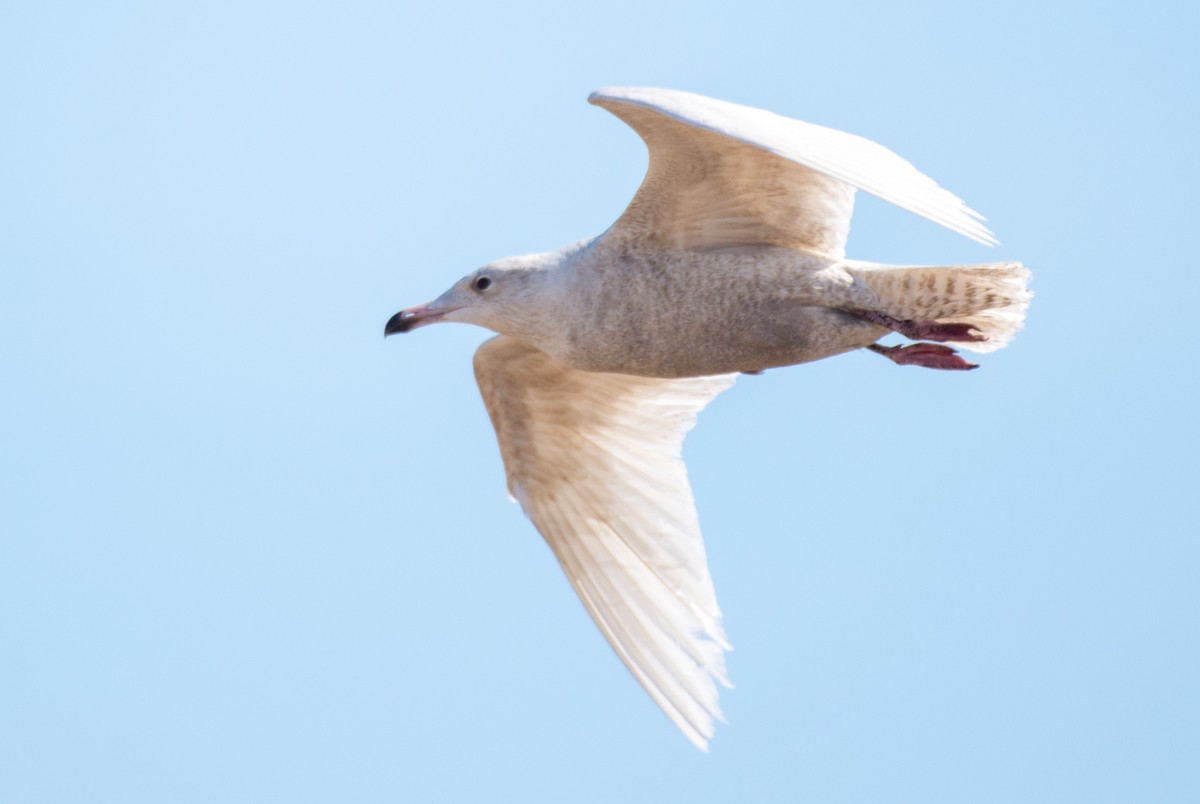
(855, 160)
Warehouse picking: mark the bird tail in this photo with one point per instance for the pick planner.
(991, 298)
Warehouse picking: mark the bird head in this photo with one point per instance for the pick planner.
(492, 297)
(508, 296)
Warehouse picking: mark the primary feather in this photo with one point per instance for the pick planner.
(728, 175)
(594, 459)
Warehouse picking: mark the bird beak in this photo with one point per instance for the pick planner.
(409, 319)
(413, 317)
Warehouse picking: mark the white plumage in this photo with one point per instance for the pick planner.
(729, 258)
(817, 170)
(594, 460)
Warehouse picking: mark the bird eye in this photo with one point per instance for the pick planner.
(482, 283)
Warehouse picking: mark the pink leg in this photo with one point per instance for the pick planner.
(929, 355)
(925, 330)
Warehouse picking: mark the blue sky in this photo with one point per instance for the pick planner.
(252, 552)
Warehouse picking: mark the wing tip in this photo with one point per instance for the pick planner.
(932, 202)
(982, 234)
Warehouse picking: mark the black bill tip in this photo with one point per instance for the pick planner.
(400, 322)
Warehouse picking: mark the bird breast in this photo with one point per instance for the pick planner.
(692, 314)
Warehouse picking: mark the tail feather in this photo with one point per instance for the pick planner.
(991, 298)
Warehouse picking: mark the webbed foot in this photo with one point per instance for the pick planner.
(929, 355)
(925, 330)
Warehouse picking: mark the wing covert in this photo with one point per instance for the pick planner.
(594, 460)
(722, 174)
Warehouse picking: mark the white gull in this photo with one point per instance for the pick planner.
(730, 258)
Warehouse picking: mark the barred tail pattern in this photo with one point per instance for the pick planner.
(991, 298)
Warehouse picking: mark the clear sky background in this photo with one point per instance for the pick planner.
(252, 552)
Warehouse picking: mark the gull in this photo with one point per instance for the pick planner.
(729, 259)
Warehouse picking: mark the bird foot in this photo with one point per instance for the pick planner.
(929, 355)
(925, 330)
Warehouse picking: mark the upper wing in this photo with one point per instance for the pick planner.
(594, 460)
(727, 175)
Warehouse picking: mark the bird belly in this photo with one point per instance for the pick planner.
(778, 334)
(689, 314)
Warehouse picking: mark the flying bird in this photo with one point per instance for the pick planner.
(729, 259)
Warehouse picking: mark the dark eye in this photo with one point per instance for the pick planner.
(482, 283)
